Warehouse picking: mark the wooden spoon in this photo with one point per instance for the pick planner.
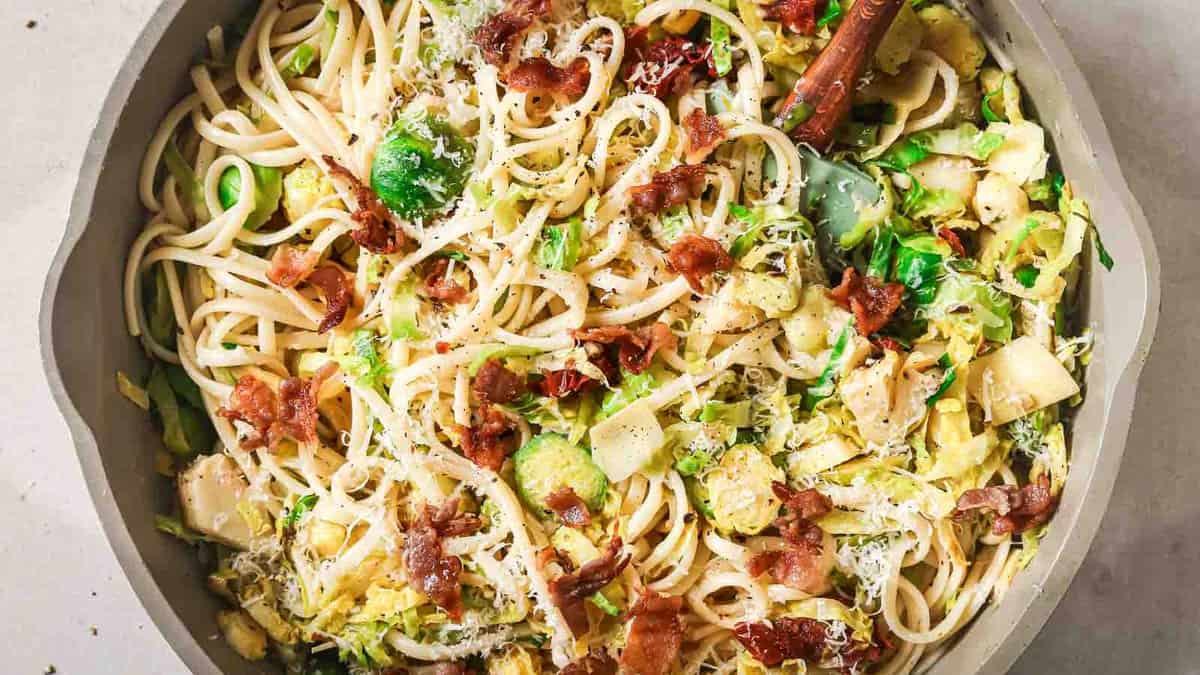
(821, 98)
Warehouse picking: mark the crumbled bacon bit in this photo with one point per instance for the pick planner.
(439, 286)
(695, 257)
(570, 590)
(792, 637)
(593, 663)
(784, 638)
(636, 347)
(704, 134)
(498, 36)
(798, 16)
(1017, 510)
(872, 301)
(290, 266)
(434, 573)
(569, 508)
(661, 68)
(538, 76)
(496, 384)
(996, 498)
(808, 504)
(655, 635)
(886, 343)
(564, 382)
(667, 189)
(293, 412)
(375, 231)
(545, 556)
(606, 335)
(951, 237)
(800, 564)
(488, 442)
(338, 294)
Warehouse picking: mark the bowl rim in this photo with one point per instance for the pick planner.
(1062, 570)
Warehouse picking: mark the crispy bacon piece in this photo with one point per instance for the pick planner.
(375, 231)
(338, 293)
(1016, 509)
(951, 237)
(655, 635)
(570, 590)
(636, 348)
(667, 189)
(567, 381)
(807, 504)
(496, 384)
(545, 556)
(290, 266)
(593, 663)
(872, 301)
(704, 134)
(439, 286)
(800, 564)
(488, 442)
(428, 568)
(564, 382)
(569, 508)
(498, 36)
(798, 16)
(996, 498)
(293, 412)
(886, 343)
(661, 68)
(792, 637)
(538, 76)
(605, 335)
(695, 257)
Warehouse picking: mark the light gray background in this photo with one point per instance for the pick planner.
(1134, 607)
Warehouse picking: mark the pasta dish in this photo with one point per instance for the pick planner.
(535, 336)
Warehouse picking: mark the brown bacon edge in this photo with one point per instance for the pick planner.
(695, 257)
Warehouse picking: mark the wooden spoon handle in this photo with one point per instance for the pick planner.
(821, 98)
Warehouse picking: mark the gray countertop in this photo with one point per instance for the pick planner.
(1134, 607)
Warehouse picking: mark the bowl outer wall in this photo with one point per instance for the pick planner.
(84, 341)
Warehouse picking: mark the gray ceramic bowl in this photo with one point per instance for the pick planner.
(84, 340)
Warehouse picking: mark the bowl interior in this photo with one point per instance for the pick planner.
(85, 341)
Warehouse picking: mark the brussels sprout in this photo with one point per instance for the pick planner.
(954, 174)
(1022, 157)
(303, 189)
(420, 167)
(998, 198)
(950, 36)
(775, 295)
(268, 187)
(247, 638)
(900, 41)
(739, 490)
(550, 462)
